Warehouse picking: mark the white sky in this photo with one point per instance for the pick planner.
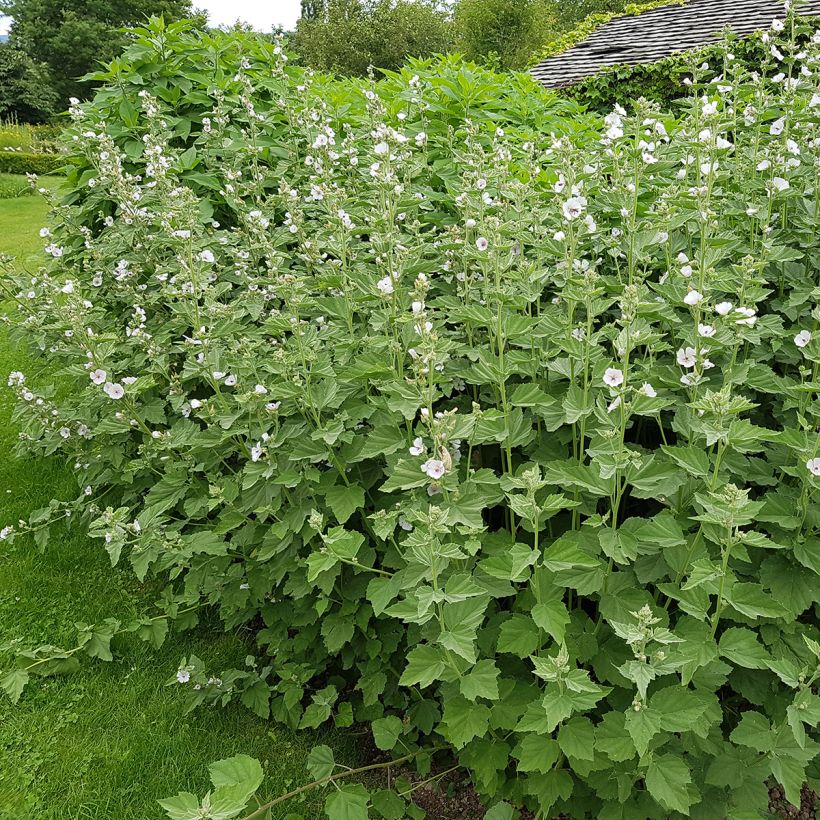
(261, 14)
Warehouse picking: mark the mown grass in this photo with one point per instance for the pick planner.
(108, 741)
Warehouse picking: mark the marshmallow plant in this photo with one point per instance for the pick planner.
(496, 422)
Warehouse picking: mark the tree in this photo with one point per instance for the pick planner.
(312, 9)
(508, 32)
(26, 94)
(348, 36)
(72, 39)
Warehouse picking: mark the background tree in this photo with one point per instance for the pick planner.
(506, 32)
(568, 15)
(26, 94)
(348, 36)
(73, 38)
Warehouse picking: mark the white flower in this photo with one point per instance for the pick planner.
(68, 287)
(814, 101)
(113, 390)
(706, 330)
(256, 452)
(385, 285)
(417, 307)
(574, 207)
(763, 165)
(183, 676)
(481, 243)
(6, 532)
(434, 468)
(780, 184)
(682, 258)
(16, 378)
(813, 466)
(230, 380)
(613, 377)
(98, 376)
(260, 390)
(381, 149)
(686, 357)
(206, 256)
(648, 390)
(694, 297)
(686, 271)
(218, 374)
(421, 139)
(418, 447)
(777, 127)
(614, 404)
(195, 404)
(709, 109)
(559, 236)
(802, 338)
(723, 308)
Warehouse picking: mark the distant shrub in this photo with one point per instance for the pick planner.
(496, 422)
(22, 162)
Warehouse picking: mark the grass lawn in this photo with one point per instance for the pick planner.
(108, 741)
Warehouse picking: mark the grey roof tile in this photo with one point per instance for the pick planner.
(652, 35)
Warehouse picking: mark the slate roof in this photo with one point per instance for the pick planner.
(647, 37)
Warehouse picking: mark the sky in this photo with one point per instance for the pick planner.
(261, 14)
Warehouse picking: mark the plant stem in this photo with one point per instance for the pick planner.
(329, 779)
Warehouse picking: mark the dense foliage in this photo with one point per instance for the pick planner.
(64, 41)
(350, 36)
(25, 91)
(498, 424)
(507, 32)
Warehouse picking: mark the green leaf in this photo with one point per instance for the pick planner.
(753, 731)
(13, 683)
(740, 645)
(321, 762)
(386, 732)
(153, 631)
(425, 663)
(257, 698)
(387, 804)
(462, 720)
(693, 459)
(481, 681)
(669, 780)
(552, 617)
(518, 636)
(642, 727)
(536, 753)
(577, 738)
(751, 600)
(348, 802)
(405, 476)
(242, 771)
(501, 811)
(344, 500)
(183, 806)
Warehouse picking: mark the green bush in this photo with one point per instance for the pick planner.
(23, 162)
(350, 36)
(497, 424)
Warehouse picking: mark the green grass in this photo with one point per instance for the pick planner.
(108, 741)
